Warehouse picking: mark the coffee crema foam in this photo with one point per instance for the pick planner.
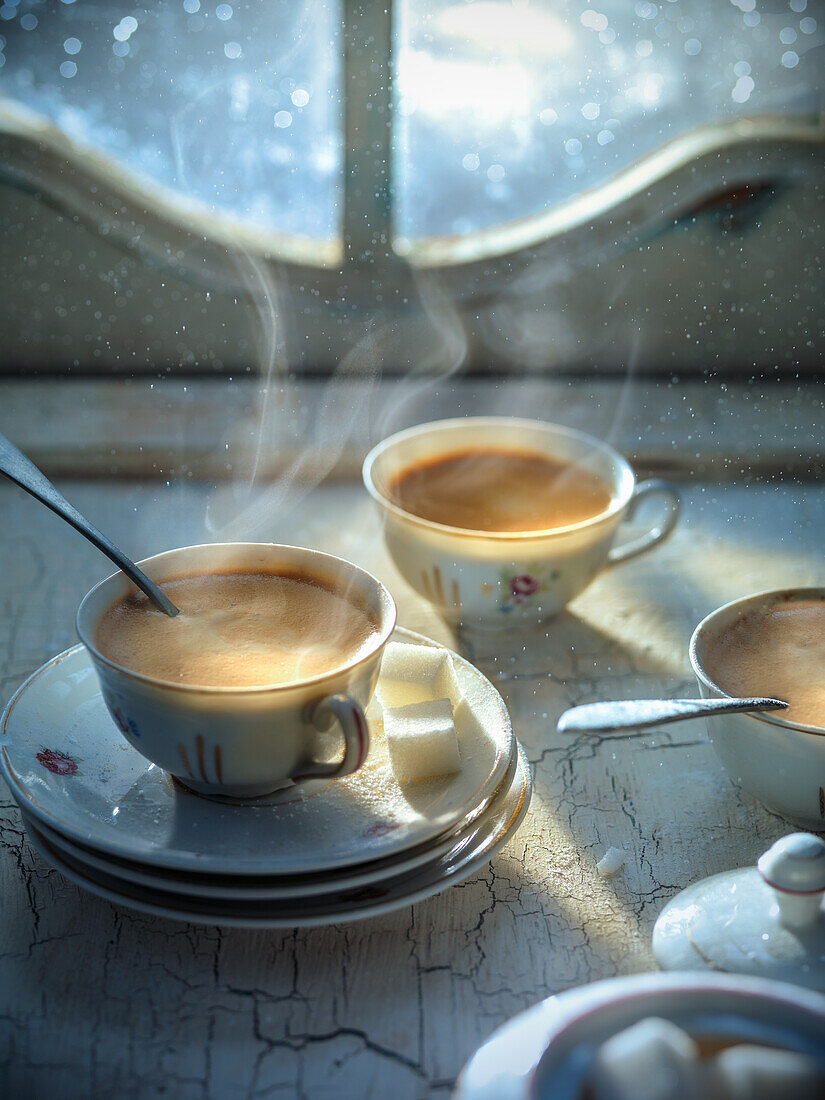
(499, 490)
(777, 651)
(242, 629)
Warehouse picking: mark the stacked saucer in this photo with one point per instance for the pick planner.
(317, 852)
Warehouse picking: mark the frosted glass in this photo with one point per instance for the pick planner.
(507, 108)
(237, 105)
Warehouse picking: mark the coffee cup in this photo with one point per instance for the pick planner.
(244, 741)
(492, 578)
(778, 761)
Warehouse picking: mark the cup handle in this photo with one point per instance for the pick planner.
(356, 733)
(659, 531)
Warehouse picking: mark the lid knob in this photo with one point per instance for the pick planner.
(794, 868)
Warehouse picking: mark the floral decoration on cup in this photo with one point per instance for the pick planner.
(519, 589)
(124, 724)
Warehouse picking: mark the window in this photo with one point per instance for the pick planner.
(337, 153)
(507, 109)
(234, 106)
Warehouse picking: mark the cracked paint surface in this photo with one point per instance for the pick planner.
(97, 1000)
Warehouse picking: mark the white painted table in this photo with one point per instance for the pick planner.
(96, 1000)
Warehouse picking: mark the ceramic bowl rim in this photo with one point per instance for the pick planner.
(755, 597)
(637, 988)
(387, 609)
(619, 498)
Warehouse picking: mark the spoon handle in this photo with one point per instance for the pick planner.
(18, 468)
(627, 714)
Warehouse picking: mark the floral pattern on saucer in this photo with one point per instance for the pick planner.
(59, 763)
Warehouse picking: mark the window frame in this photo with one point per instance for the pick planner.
(370, 264)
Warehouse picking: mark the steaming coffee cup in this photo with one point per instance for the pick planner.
(497, 520)
(774, 641)
(274, 646)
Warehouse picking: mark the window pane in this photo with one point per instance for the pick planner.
(237, 104)
(506, 108)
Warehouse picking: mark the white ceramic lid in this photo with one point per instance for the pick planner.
(766, 920)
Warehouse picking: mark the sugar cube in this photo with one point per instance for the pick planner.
(421, 740)
(652, 1060)
(611, 862)
(748, 1072)
(415, 674)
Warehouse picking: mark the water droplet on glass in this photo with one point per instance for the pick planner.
(125, 28)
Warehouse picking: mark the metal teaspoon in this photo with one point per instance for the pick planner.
(628, 714)
(18, 468)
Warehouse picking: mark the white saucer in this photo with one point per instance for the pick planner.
(469, 855)
(67, 764)
(277, 887)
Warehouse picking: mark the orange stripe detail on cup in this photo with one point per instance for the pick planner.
(425, 584)
(456, 597)
(182, 752)
(439, 591)
(199, 747)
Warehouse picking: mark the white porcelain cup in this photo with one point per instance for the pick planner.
(243, 742)
(779, 762)
(491, 579)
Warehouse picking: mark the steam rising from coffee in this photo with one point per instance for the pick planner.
(428, 346)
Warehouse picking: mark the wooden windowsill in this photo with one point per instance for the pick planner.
(224, 430)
